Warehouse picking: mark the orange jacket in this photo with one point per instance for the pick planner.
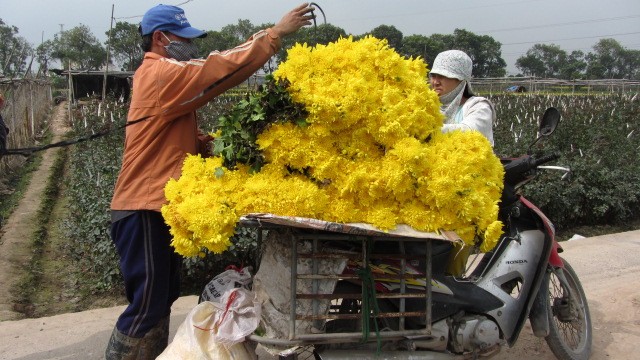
(166, 94)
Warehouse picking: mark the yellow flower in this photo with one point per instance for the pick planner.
(372, 152)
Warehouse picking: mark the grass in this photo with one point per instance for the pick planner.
(18, 181)
(62, 287)
(51, 283)
(34, 271)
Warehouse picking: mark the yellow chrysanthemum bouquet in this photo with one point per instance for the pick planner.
(362, 142)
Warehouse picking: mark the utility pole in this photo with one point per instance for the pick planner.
(106, 68)
(70, 95)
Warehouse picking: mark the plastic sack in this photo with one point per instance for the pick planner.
(272, 284)
(216, 330)
(225, 281)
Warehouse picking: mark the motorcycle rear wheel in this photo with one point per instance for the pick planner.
(570, 332)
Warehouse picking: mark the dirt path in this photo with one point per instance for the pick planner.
(15, 241)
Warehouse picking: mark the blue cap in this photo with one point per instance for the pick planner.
(169, 18)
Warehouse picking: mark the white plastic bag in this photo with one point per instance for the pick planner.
(216, 330)
(238, 315)
(225, 281)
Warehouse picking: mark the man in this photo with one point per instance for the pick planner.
(167, 89)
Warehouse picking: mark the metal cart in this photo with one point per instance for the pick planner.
(314, 308)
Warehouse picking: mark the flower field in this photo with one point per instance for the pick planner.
(597, 138)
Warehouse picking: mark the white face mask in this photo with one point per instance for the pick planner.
(180, 50)
(451, 101)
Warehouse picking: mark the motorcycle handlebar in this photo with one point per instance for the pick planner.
(545, 159)
(520, 169)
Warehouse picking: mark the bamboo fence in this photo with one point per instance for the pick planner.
(550, 85)
(26, 113)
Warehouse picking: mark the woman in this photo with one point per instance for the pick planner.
(450, 77)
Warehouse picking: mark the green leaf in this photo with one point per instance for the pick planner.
(257, 117)
(218, 146)
(302, 122)
(219, 172)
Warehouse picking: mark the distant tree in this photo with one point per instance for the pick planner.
(391, 34)
(610, 60)
(632, 59)
(125, 45)
(228, 37)
(421, 46)
(484, 50)
(233, 35)
(530, 65)
(441, 42)
(43, 56)
(574, 67)
(14, 51)
(543, 60)
(80, 47)
(322, 34)
(217, 40)
(241, 31)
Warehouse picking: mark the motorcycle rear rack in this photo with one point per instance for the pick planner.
(316, 238)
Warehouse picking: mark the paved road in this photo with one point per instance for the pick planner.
(608, 266)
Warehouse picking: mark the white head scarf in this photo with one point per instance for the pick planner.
(454, 64)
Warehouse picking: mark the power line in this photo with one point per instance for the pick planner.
(561, 24)
(576, 38)
(127, 17)
(584, 50)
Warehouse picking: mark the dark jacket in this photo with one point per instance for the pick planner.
(4, 131)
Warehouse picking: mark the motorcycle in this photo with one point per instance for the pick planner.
(392, 297)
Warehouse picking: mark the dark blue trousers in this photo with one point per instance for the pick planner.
(151, 270)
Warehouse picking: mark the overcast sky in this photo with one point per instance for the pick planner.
(516, 24)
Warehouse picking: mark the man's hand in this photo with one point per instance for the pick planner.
(205, 145)
(294, 20)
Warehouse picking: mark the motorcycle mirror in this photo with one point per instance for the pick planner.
(548, 124)
(549, 121)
